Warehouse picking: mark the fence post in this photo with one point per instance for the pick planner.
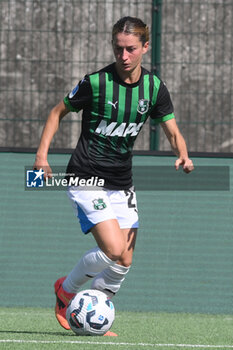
(155, 62)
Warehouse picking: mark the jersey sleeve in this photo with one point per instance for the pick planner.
(163, 108)
(80, 97)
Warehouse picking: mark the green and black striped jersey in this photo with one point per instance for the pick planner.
(113, 115)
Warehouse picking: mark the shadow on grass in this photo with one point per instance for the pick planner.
(40, 333)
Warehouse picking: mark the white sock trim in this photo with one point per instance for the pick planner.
(122, 270)
(110, 279)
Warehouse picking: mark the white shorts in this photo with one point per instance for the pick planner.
(92, 207)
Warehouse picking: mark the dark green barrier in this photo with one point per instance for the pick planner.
(183, 259)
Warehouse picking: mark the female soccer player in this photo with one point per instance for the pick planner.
(116, 101)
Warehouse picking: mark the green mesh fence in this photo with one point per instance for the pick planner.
(183, 259)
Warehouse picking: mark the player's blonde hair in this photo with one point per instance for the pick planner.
(131, 25)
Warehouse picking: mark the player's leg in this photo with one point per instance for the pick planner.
(111, 278)
(111, 243)
(91, 207)
(115, 245)
(124, 205)
(109, 238)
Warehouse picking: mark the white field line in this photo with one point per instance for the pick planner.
(116, 344)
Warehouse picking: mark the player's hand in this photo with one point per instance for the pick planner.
(186, 164)
(44, 165)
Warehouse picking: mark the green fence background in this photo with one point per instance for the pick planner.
(184, 254)
(47, 46)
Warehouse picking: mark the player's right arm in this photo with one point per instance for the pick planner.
(50, 129)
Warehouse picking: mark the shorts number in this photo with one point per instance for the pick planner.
(130, 195)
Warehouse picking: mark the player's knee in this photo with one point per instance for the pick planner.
(126, 262)
(126, 258)
(114, 253)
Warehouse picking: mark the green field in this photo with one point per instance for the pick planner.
(37, 328)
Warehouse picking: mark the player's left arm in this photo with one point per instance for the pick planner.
(178, 145)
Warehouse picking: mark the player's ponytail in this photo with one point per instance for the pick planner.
(131, 25)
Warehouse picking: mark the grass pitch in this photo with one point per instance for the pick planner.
(37, 328)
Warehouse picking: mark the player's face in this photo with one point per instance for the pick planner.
(128, 51)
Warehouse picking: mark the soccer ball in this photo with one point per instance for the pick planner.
(90, 312)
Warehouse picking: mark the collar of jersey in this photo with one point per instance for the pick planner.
(121, 82)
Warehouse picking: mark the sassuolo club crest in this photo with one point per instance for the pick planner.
(143, 106)
(99, 204)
